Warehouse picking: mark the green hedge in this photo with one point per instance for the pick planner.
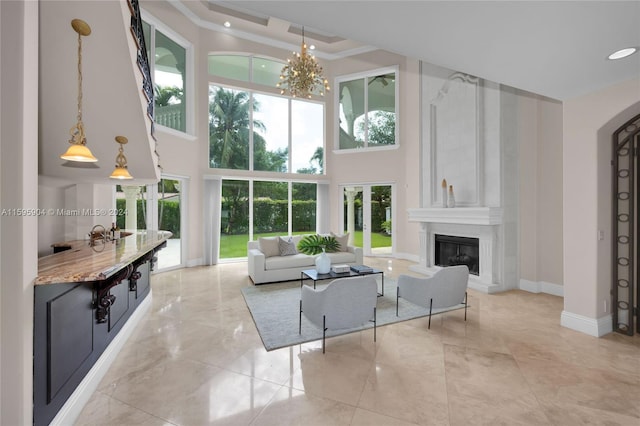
(268, 216)
(170, 215)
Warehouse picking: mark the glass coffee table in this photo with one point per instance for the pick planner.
(312, 274)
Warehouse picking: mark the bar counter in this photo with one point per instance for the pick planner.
(84, 298)
(82, 262)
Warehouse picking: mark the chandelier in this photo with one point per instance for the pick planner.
(302, 75)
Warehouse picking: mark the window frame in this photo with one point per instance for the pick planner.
(222, 82)
(250, 83)
(251, 195)
(189, 85)
(364, 76)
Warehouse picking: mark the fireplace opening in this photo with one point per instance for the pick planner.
(451, 251)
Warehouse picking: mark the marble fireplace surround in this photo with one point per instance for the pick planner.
(484, 223)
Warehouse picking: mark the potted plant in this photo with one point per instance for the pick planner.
(318, 244)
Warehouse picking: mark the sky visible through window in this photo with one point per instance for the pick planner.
(307, 128)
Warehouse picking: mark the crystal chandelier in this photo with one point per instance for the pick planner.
(302, 75)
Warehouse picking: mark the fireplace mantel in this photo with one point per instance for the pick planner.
(484, 223)
(458, 215)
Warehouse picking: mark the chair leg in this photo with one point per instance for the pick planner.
(430, 306)
(397, 299)
(300, 319)
(374, 323)
(465, 305)
(324, 330)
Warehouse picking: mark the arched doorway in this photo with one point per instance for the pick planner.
(626, 208)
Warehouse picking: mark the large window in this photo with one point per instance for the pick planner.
(255, 208)
(367, 110)
(168, 57)
(256, 131)
(263, 71)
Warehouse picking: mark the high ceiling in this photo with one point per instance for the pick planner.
(554, 48)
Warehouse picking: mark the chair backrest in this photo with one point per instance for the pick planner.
(449, 285)
(446, 287)
(346, 302)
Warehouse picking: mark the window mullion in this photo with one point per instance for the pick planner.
(251, 100)
(251, 210)
(366, 112)
(290, 208)
(290, 141)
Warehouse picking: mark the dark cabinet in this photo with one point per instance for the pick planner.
(73, 325)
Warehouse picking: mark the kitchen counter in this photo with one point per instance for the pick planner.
(82, 262)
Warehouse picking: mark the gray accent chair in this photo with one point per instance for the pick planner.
(445, 289)
(344, 303)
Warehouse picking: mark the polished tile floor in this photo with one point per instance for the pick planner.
(197, 359)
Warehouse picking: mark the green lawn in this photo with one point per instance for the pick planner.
(236, 245)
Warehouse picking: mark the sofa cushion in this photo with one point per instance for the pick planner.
(269, 246)
(341, 257)
(286, 262)
(287, 247)
(343, 240)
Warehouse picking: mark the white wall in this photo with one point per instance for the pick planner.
(19, 186)
(588, 124)
(540, 191)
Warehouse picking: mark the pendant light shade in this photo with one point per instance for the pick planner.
(78, 150)
(121, 171)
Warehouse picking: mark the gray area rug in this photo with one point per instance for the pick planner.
(275, 309)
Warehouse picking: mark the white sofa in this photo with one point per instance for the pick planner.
(268, 269)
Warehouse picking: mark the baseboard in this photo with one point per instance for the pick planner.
(195, 262)
(78, 399)
(541, 287)
(407, 256)
(596, 327)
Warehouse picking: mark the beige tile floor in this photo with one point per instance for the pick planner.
(197, 359)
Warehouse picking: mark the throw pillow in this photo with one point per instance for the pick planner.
(287, 247)
(269, 246)
(343, 240)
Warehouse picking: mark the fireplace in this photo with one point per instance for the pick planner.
(452, 250)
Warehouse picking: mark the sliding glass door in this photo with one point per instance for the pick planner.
(367, 217)
(169, 197)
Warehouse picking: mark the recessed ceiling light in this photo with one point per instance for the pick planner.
(622, 53)
(227, 24)
(312, 47)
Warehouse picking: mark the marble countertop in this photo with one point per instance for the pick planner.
(85, 263)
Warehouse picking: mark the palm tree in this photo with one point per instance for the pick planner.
(318, 156)
(165, 95)
(229, 127)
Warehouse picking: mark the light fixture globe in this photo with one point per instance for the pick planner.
(80, 153)
(121, 171)
(302, 76)
(78, 150)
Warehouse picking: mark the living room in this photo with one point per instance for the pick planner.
(554, 184)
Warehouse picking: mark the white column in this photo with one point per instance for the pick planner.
(351, 217)
(131, 196)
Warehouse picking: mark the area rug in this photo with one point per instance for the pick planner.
(275, 311)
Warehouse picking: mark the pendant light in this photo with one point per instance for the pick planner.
(121, 171)
(78, 150)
